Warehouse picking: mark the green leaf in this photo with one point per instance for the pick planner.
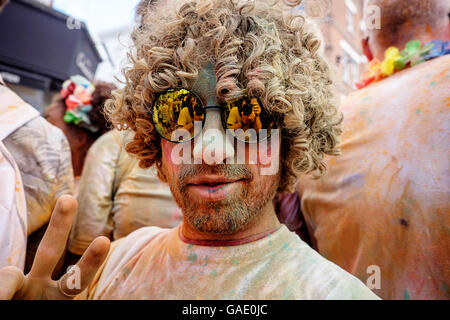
(401, 63)
(413, 46)
(69, 117)
(426, 49)
(416, 62)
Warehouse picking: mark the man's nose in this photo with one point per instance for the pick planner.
(213, 146)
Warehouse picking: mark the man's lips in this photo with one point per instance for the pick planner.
(212, 188)
(211, 180)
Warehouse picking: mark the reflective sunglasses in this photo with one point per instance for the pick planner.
(179, 114)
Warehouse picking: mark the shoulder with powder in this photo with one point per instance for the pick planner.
(315, 277)
(122, 251)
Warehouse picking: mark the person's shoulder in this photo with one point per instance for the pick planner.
(184, 111)
(109, 138)
(431, 74)
(107, 146)
(442, 62)
(127, 248)
(142, 236)
(315, 277)
(42, 129)
(45, 142)
(124, 249)
(120, 253)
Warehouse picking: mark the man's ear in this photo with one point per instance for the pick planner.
(160, 172)
(366, 48)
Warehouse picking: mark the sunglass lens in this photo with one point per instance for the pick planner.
(247, 120)
(175, 113)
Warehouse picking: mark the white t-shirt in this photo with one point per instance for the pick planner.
(155, 263)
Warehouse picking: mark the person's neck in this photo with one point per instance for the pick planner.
(422, 37)
(264, 223)
(78, 162)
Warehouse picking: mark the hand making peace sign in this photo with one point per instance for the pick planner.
(38, 284)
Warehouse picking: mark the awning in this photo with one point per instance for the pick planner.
(40, 44)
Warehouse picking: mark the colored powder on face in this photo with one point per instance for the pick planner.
(205, 84)
(192, 257)
(445, 288)
(406, 295)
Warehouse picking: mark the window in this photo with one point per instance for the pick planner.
(350, 16)
(347, 74)
(350, 22)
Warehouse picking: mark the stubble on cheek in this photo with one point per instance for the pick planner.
(233, 214)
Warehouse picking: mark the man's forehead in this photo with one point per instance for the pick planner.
(205, 84)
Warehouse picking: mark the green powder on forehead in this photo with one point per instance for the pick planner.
(205, 84)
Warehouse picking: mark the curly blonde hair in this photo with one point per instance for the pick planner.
(259, 48)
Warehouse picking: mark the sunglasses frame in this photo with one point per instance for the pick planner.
(204, 108)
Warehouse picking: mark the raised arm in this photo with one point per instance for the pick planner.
(38, 284)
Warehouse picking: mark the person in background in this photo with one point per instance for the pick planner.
(382, 212)
(245, 116)
(78, 112)
(40, 155)
(13, 210)
(116, 196)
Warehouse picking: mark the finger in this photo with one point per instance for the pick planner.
(54, 241)
(11, 280)
(79, 277)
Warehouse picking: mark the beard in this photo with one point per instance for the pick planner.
(237, 212)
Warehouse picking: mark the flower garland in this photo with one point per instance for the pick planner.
(395, 60)
(77, 94)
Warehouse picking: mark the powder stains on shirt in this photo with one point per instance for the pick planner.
(162, 266)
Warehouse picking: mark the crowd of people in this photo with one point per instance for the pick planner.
(362, 185)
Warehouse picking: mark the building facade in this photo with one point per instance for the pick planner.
(343, 28)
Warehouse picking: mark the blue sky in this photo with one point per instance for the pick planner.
(99, 15)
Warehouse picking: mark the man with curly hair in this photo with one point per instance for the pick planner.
(230, 244)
